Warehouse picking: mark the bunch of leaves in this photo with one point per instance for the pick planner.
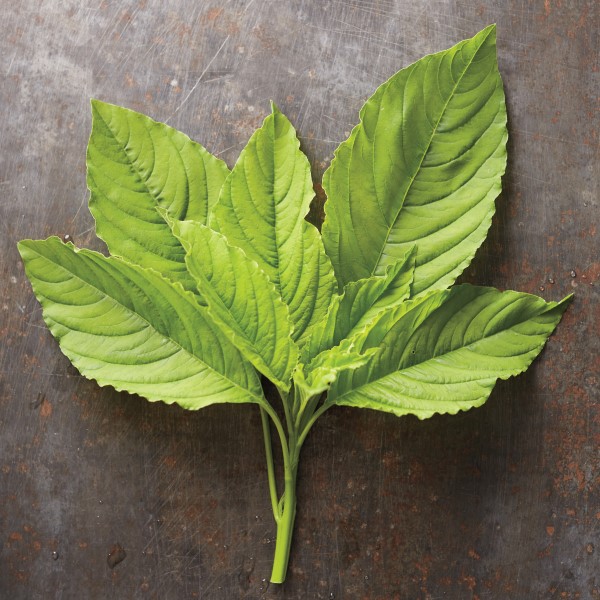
(215, 277)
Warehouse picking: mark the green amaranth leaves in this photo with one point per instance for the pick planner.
(360, 302)
(242, 300)
(135, 165)
(261, 209)
(423, 167)
(216, 277)
(444, 352)
(129, 327)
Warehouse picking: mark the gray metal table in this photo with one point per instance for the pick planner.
(497, 503)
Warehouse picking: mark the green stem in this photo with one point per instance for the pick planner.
(287, 400)
(270, 466)
(309, 425)
(306, 412)
(280, 431)
(284, 510)
(285, 528)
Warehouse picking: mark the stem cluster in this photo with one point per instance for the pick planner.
(301, 412)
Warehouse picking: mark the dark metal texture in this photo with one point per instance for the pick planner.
(103, 495)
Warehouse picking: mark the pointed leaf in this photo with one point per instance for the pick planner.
(261, 209)
(423, 167)
(136, 164)
(444, 352)
(133, 329)
(360, 303)
(241, 299)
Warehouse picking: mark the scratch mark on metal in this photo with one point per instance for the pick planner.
(12, 60)
(210, 62)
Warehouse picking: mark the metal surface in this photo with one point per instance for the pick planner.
(103, 495)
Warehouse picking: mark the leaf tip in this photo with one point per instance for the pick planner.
(489, 31)
(280, 121)
(274, 108)
(23, 247)
(487, 34)
(97, 105)
(566, 301)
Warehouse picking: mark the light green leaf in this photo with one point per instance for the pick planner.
(241, 299)
(359, 304)
(261, 209)
(133, 329)
(422, 167)
(135, 165)
(324, 369)
(444, 352)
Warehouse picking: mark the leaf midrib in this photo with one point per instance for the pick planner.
(136, 172)
(175, 342)
(417, 170)
(232, 322)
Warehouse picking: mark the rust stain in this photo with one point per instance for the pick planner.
(126, 16)
(170, 461)
(213, 14)
(232, 28)
(219, 20)
(267, 41)
(588, 232)
(469, 581)
(183, 30)
(580, 24)
(45, 409)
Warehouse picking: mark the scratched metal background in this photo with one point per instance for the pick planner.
(502, 502)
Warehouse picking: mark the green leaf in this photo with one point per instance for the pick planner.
(261, 209)
(359, 304)
(444, 352)
(136, 164)
(422, 167)
(241, 299)
(133, 329)
(324, 369)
